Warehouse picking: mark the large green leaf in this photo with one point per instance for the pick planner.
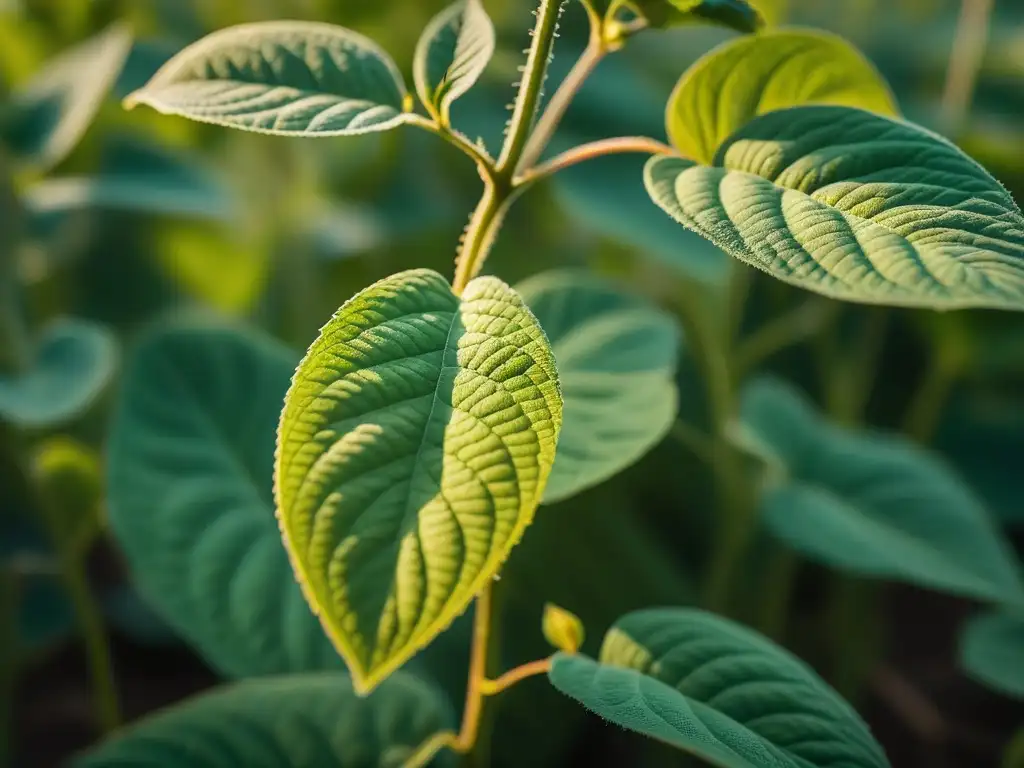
(414, 447)
(871, 504)
(297, 721)
(452, 54)
(718, 691)
(616, 357)
(46, 117)
(292, 78)
(73, 361)
(855, 206)
(992, 652)
(749, 76)
(190, 467)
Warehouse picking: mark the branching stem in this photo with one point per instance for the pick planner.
(584, 152)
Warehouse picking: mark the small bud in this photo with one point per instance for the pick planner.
(562, 629)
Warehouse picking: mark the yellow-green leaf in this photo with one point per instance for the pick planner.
(749, 76)
(562, 628)
(413, 450)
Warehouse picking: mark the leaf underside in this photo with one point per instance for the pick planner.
(874, 505)
(452, 54)
(413, 449)
(854, 206)
(283, 77)
(718, 691)
(992, 652)
(299, 721)
(190, 467)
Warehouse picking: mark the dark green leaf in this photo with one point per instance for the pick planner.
(190, 467)
(299, 721)
(718, 691)
(73, 362)
(874, 505)
(992, 652)
(616, 357)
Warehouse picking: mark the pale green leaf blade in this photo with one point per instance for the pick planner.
(855, 206)
(749, 76)
(190, 467)
(452, 53)
(297, 721)
(718, 691)
(413, 450)
(875, 505)
(616, 356)
(47, 116)
(73, 361)
(290, 78)
(992, 652)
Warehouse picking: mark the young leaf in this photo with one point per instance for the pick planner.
(616, 358)
(561, 628)
(73, 362)
(874, 505)
(46, 118)
(452, 54)
(992, 652)
(718, 691)
(855, 206)
(781, 68)
(67, 477)
(190, 464)
(414, 447)
(298, 721)
(735, 14)
(291, 78)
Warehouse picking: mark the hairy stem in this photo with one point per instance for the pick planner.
(482, 231)
(592, 55)
(584, 152)
(455, 138)
(530, 88)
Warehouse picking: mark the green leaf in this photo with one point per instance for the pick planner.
(190, 466)
(414, 448)
(874, 505)
(290, 78)
(718, 691)
(298, 721)
(780, 68)
(72, 364)
(451, 55)
(46, 118)
(992, 652)
(854, 206)
(616, 357)
(66, 475)
(734, 14)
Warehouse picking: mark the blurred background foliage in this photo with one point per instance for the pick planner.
(151, 213)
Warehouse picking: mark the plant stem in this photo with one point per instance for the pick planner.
(482, 231)
(8, 653)
(530, 88)
(696, 441)
(15, 348)
(922, 417)
(965, 61)
(784, 331)
(778, 590)
(592, 55)
(453, 137)
(584, 152)
(513, 676)
(97, 647)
